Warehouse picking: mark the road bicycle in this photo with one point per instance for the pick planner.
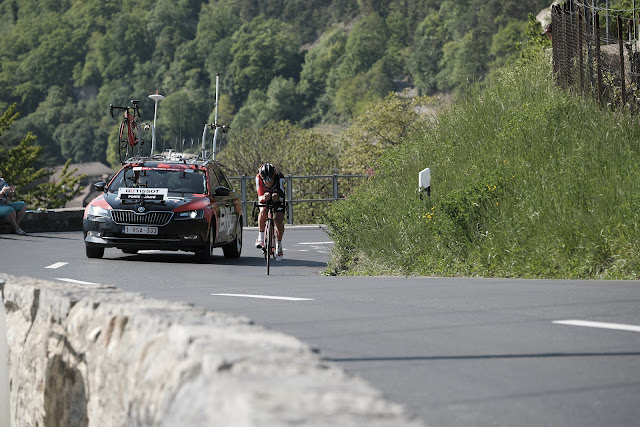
(128, 136)
(269, 246)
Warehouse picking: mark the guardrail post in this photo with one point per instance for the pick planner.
(243, 196)
(335, 186)
(290, 199)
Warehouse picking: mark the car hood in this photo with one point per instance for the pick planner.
(174, 202)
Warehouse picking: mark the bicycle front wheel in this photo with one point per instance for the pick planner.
(124, 149)
(269, 241)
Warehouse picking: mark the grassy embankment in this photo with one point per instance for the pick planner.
(527, 181)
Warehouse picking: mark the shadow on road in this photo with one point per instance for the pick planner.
(479, 357)
(190, 258)
(31, 236)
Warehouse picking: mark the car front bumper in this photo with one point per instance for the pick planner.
(177, 235)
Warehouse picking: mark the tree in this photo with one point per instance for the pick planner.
(262, 49)
(505, 43)
(384, 124)
(463, 61)
(317, 66)
(424, 62)
(18, 165)
(277, 104)
(366, 45)
(356, 94)
(292, 150)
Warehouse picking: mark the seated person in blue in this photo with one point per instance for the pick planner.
(12, 212)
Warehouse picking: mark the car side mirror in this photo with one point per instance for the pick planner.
(221, 191)
(100, 186)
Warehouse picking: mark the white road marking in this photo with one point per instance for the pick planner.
(80, 282)
(315, 243)
(589, 324)
(57, 265)
(264, 297)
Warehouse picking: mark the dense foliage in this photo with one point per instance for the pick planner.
(64, 62)
(34, 185)
(527, 181)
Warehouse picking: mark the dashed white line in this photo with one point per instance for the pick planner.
(80, 282)
(57, 265)
(315, 243)
(589, 324)
(264, 297)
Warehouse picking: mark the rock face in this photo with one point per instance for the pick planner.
(95, 356)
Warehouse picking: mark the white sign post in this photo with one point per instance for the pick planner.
(424, 181)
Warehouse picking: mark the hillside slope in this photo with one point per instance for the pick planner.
(527, 181)
(64, 62)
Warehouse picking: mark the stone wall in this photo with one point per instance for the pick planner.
(96, 356)
(66, 219)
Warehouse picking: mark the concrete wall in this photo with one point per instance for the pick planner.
(96, 356)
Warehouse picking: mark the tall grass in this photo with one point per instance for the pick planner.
(527, 181)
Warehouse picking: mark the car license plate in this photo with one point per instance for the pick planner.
(135, 229)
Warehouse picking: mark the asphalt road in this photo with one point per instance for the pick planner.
(455, 351)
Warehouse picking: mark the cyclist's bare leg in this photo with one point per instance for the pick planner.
(262, 221)
(279, 222)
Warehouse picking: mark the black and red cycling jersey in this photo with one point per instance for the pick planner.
(276, 187)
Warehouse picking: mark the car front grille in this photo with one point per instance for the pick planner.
(147, 218)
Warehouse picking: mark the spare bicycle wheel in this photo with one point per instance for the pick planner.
(123, 144)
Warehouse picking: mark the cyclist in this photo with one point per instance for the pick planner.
(270, 186)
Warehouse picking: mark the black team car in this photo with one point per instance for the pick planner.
(173, 204)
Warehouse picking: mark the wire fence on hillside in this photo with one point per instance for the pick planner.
(596, 52)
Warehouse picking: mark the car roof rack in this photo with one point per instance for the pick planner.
(176, 157)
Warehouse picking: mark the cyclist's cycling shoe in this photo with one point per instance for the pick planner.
(258, 243)
(279, 256)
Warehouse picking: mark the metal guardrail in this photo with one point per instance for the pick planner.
(290, 201)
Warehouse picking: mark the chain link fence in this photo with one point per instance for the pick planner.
(595, 52)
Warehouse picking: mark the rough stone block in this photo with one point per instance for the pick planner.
(95, 356)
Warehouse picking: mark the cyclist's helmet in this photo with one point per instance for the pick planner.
(267, 171)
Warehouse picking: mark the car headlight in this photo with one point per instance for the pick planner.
(97, 211)
(195, 214)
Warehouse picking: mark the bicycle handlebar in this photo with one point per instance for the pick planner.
(135, 109)
(224, 128)
(268, 204)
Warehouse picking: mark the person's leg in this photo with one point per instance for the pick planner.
(262, 221)
(11, 219)
(8, 215)
(20, 208)
(17, 212)
(279, 220)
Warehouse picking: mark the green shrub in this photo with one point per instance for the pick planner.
(527, 181)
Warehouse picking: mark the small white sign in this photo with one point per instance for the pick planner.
(424, 179)
(128, 193)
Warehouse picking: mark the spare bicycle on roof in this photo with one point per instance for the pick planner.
(129, 135)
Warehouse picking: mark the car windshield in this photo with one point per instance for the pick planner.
(176, 180)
